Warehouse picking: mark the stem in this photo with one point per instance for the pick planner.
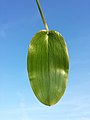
(42, 15)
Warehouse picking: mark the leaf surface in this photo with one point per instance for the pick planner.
(48, 65)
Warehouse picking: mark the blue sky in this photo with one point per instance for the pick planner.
(19, 21)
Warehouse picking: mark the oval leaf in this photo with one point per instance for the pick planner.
(48, 65)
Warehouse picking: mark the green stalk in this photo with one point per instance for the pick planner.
(42, 15)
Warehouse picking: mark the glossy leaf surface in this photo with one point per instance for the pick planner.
(48, 65)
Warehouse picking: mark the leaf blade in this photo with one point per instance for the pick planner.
(48, 62)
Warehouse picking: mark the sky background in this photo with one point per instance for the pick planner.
(19, 21)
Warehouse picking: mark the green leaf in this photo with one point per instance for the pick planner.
(48, 65)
